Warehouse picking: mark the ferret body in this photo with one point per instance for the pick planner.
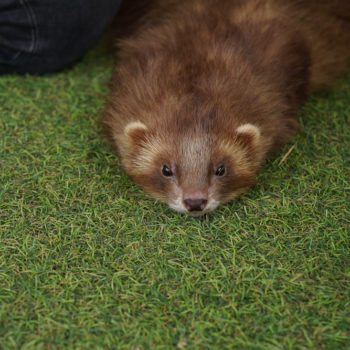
(204, 90)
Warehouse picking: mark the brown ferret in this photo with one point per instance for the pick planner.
(204, 90)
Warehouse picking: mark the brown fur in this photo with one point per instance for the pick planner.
(192, 72)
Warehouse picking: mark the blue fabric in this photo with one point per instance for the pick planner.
(41, 36)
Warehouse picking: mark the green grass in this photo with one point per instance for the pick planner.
(88, 261)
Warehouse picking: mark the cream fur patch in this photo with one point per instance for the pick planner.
(178, 206)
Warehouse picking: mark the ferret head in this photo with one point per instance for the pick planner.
(192, 166)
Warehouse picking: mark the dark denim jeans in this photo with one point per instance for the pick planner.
(42, 36)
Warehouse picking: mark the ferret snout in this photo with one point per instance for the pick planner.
(192, 204)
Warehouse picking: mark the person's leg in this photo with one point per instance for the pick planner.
(42, 36)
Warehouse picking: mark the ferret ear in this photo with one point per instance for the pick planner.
(135, 132)
(248, 133)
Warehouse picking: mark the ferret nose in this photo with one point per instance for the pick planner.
(195, 204)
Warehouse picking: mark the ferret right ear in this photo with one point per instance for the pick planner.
(248, 133)
(135, 132)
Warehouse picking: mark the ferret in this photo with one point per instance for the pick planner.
(204, 90)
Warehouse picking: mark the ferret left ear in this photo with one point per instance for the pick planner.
(249, 133)
(136, 132)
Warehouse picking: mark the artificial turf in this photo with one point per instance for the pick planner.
(88, 261)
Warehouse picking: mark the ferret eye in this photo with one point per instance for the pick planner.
(166, 171)
(220, 171)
